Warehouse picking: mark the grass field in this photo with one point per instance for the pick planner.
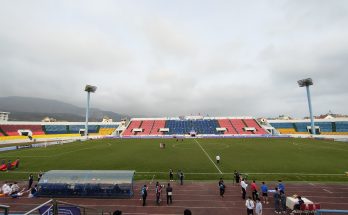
(261, 159)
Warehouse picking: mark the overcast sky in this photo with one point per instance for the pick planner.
(171, 58)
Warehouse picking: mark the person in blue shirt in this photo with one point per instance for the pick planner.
(264, 191)
(281, 186)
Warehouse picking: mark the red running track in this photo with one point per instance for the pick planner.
(202, 198)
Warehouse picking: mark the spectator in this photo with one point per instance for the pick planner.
(117, 212)
(281, 186)
(14, 188)
(39, 176)
(264, 190)
(19, 194)
(6, 189)
(169, 191)
(158, 191)
(244, 186)
(171, 175)
(276, 197)
(236, 176)
(249, 203)
(222, 187)
(283, 201)
(17, 162)
(181, 178)
(144, 194)
(300, 202)
(33, 192)
(9, 167)
(187, 212)
(258, 207)
(254, 190)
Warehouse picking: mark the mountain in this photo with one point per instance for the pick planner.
(35, 109)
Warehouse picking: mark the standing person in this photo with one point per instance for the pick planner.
(39, 176)
(254, 190)
(31, 180)
(117, 212)
(169, 191)
(181, 178)
(283, 201)
(244, 186)
(222, 187)
(281, 186)
(17, 162)
(158, 192)
(264, 191)
(249, 203)
(171, 175)
(236, 176)
(276, 197)
(258, 207)
(144, 194)
(217, 159)
(9, 167)
(33, 192)
(187, 212)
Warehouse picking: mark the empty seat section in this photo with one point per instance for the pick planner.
(341, 126)
(302, 126)
(324, 126)
(287, 130)
(12, 130)
(225, 123)
(277, 125)
(107, 129)
(158, 124)
(254, 124)
(75, 129)
(147, 127)
(178, 126)
(239, 126)
(206, 126)
(133, 124)
(186, 126)
(56, 129)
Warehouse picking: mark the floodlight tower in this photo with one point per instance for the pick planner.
(306, 83)
(89, 89)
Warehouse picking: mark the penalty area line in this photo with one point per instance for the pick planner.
(208, 156)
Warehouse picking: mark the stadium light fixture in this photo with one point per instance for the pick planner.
(306, 83)
(89, 89)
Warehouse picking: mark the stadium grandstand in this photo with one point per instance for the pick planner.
(190, 125)
(322, 126)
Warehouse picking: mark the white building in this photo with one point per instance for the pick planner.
(4, 116)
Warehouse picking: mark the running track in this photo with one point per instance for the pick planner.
(200, 197)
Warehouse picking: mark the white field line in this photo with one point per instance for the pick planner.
(208, 156)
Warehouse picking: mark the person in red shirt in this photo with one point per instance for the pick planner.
(253, 188)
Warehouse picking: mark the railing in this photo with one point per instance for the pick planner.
(55, 207)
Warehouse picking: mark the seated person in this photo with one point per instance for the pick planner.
(300, 202)
(6, 189)
(33, 192)
(14, 188)
(19, 194)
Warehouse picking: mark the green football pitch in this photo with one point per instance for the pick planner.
(290, 159)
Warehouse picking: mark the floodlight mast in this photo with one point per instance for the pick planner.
(306, 83)
(89, 89)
